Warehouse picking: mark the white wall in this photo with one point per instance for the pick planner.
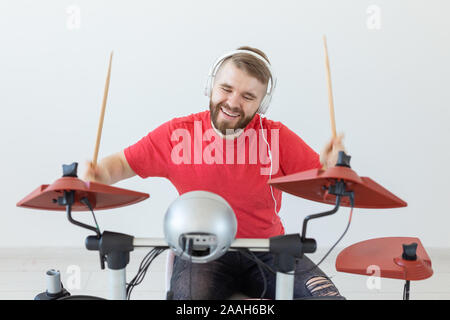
(390, 87)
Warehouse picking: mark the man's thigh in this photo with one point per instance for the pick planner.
(310, 281)
(214, 280)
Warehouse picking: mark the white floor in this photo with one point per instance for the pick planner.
(22, 275)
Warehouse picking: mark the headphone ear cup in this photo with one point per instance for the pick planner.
(264, 104)
(208, 87)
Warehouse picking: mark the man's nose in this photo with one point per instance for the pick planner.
(234, 101)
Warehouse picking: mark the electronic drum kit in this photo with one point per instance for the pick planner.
(398, 257)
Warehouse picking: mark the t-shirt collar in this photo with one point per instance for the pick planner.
(237, 133)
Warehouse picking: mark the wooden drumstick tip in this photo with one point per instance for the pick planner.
(330, 91)
(102, 112)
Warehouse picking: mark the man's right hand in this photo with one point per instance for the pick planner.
(96, 173)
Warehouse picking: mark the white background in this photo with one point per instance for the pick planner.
(390, 85)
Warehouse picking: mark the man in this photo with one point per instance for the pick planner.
(232, 151)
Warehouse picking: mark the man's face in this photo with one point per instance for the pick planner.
(235, 98)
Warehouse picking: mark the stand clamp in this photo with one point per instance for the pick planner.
(114, 248)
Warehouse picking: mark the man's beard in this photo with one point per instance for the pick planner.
(225, 127)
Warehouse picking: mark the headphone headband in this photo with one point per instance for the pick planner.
(270, 89)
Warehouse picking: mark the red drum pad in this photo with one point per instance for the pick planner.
(386, 254)
(100, 196)
(313, 185)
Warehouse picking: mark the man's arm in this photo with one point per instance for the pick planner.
(297, 156)
(109, 170)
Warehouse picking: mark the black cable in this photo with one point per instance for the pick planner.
(246, 252)
(86, 202)
(68, 201)
(262, 274)
(268, 267)
(329, 251)
(142, 271)
(145, 267)
(142, 268)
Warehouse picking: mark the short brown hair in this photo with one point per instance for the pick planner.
(252, 65)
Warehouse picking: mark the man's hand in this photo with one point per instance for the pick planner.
(329, 154)
(96, 173)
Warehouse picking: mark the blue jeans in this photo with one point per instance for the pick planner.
(234, 272)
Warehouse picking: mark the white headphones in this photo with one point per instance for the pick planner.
(270, 89)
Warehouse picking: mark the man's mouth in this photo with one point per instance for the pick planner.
(229, 113)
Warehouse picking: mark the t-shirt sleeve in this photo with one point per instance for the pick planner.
(295, 154)
(150, 156)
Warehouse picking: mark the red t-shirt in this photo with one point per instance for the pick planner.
(189, 153)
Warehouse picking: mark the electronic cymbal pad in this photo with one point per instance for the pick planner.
(100, 196)
(324, 185)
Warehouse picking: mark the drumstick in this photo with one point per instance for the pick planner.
(102, 113)
(330, 92)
